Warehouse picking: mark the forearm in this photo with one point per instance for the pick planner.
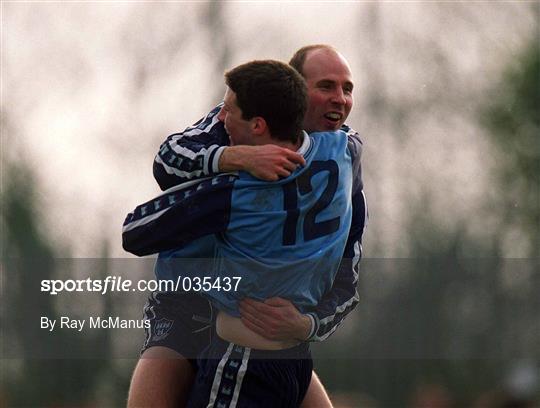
(179, 216)
(233, 158)
(268, 162)
(332, 310)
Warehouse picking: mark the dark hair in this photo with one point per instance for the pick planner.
(274, 91)
(299, 57)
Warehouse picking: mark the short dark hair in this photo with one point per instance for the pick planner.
(299, 57)
(274, 91)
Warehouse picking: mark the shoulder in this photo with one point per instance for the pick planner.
(351, 133)
(354, 142)
(333, 141)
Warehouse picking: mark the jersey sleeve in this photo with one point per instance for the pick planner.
(193, 153)
(342, 298)
(180, 215)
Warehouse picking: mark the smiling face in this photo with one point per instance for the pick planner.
(330, 86)
(239, 129)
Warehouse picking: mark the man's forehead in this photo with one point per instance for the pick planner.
(230, 97)
(324, 63)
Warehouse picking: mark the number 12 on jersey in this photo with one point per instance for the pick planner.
(302, 186)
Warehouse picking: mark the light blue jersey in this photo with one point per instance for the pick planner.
(282, 238)
(287, 238)
(191, 260)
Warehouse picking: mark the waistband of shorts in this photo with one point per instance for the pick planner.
(300, 351)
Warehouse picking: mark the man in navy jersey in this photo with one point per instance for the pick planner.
(283, 238)
(199, 151)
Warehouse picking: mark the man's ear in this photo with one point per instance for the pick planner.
(258, 125)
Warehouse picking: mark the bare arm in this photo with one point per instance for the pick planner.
(268, 162)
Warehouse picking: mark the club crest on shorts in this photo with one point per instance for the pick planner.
(162, 329)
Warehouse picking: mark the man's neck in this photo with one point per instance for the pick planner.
(286, 144)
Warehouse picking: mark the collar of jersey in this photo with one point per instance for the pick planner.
(305, 147)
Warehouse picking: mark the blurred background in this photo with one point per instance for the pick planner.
(447, 103)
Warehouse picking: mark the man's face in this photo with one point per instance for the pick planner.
(329, 84)
(239, 130)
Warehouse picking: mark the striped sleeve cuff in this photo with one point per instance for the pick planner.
(214, 165)
(314, 326)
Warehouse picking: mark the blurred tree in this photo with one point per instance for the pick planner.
(440, 317)
(512, 117)
(41, 377)
(219, 44)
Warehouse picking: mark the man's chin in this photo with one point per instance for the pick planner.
(327, 126)
(331, 126)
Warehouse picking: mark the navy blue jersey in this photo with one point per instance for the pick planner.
(282, 238)
(195, 152)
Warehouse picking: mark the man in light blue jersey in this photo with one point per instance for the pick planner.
(293, 231)
(201, 150)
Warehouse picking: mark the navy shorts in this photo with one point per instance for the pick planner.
(180, 321)
(232, 376)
